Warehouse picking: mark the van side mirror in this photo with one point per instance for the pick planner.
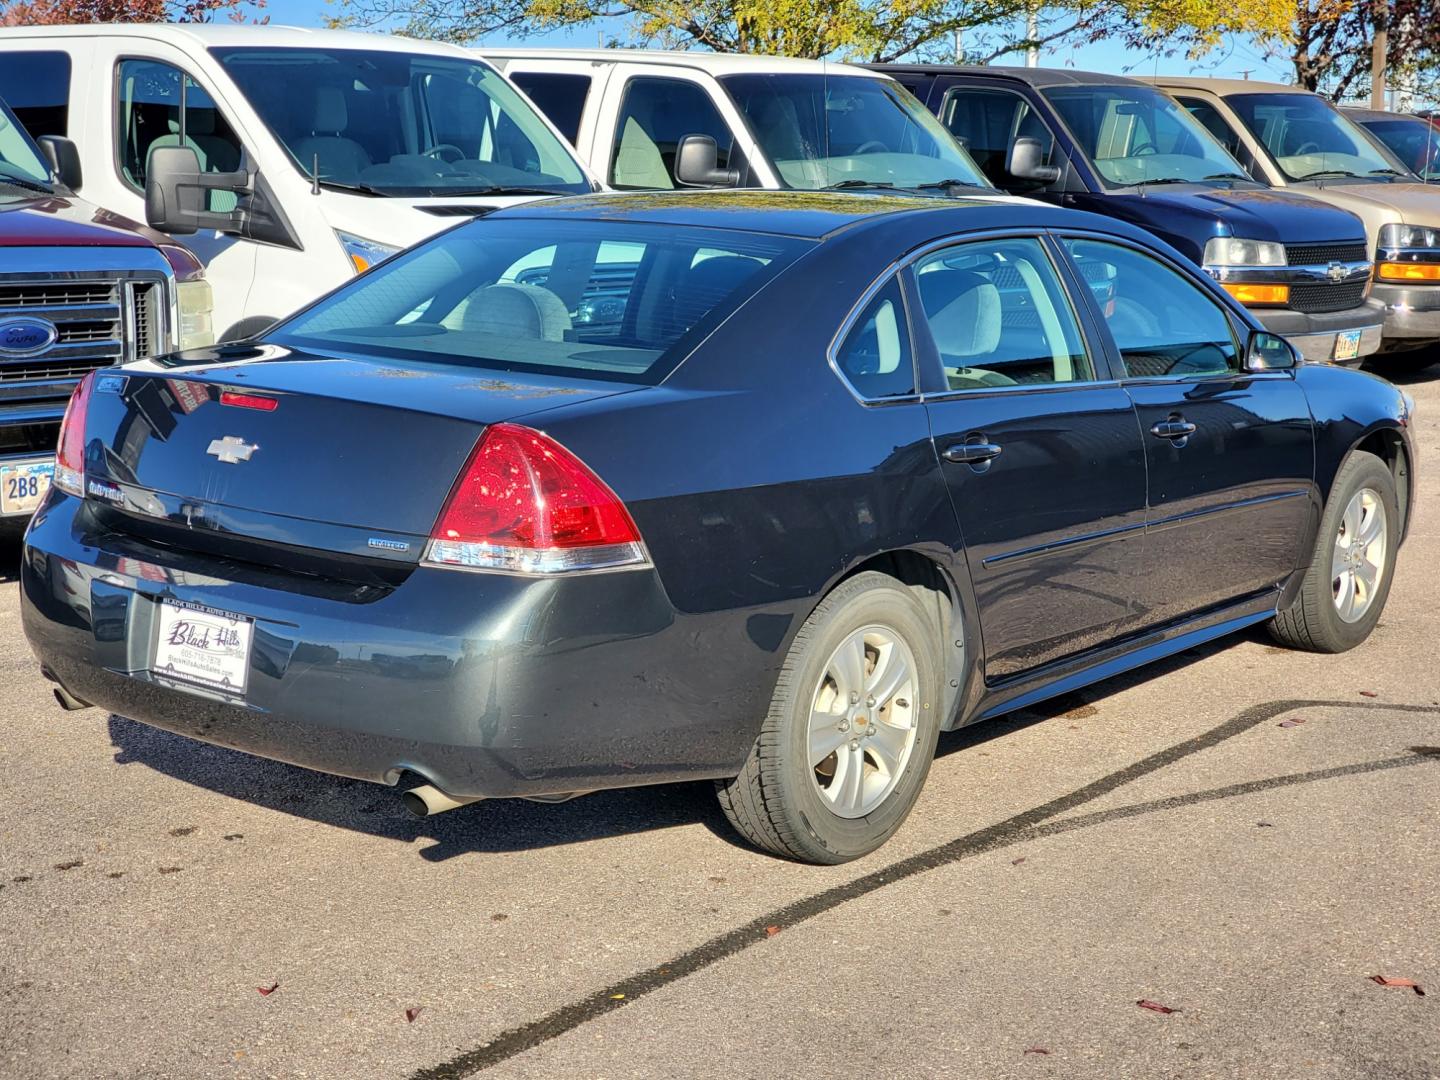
(697, 164)
(177, 193)
(64, 160)
(1270, 352)
(1027, 161)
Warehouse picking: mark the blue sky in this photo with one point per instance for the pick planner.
(1231, 60)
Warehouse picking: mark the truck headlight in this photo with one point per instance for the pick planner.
(1418, 255)
(196, 304)
(363, 253)
(1409, 236)
(1233, 251)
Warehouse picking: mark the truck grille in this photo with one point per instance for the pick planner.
(99, 323)
(1325, 254)
(1314, 297)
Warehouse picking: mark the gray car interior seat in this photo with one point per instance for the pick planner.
(341, 158)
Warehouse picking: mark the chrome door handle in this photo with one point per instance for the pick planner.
(1173, 429)
(972, 453)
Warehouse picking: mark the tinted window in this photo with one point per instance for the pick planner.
(876, 357)
(405, 124)
(987, 122)
(158, 106)
(19, 157)
(560, 97)
(1308, 139)
(1162, 322)
(655, 116)
(1414, 141)
(609, 301)
(824, 130)
(36, 85)
(999, 316)
(1211, 120)
(1135, 135)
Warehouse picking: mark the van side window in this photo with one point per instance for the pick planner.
(158, 105)
(876, 357)
(655, 115)
(561, 97)
(1214, 123)
(36, 85)
(987, 122)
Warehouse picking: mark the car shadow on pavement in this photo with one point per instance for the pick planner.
(10, 534)
(509, 825)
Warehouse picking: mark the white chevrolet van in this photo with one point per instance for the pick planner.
(288, 159)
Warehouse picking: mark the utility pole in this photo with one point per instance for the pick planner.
(1032, 34)
(1380, 23)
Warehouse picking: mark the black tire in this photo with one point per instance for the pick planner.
(1313, 622)
(776, 802)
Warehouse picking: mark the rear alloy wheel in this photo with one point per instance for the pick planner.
(1344, 591)
(851, 731)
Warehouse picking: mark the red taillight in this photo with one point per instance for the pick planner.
(525, 503)
(70, 453)
(248, 401)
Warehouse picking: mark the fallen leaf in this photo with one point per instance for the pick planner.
(1155, 1006)
(71, 865)
(410, 1014)
(1385, 980)
(499, 916)
(718, 880)
(771, 931)
(234, 836)
(1296, 722)
(1017, 862)
(169, 869)
(1036, 1050)
(617, 997)
(266, 991)
(1368, 693)
(1264, 824)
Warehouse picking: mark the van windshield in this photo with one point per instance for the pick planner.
(1309, 140)
(1414, 141)
(20, 161)
(1134, 135)
(824, 131)
(402, 124)
(614, 301)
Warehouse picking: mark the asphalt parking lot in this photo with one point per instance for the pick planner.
(1244, 835)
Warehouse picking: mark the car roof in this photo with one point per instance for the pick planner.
(810, 215)
(1033, 76)
(715, 63)
(1362, 114)
(208, 35)
(1227, 86)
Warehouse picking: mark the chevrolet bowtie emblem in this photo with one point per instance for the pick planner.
(231, 449)
(1337, 272)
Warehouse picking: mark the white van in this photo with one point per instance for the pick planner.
(289, 159)
(647, 119)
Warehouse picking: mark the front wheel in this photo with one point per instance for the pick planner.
(1345, 588)
(851, 731)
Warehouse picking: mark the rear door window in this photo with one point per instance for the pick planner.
(560, 96)
(579, 299)
(876, 357)
(36, 86)
(655, 115)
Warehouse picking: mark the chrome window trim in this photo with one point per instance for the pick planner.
(1411, 255)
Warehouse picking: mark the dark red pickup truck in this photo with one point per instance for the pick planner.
(80, 288)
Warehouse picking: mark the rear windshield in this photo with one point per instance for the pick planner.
(614, 301)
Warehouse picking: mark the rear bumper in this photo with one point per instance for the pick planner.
(1314, 335)
(1412, 314)
(486, 685)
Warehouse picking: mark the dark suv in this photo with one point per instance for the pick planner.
(1119, 147)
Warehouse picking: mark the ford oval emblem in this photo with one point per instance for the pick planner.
(25, 335)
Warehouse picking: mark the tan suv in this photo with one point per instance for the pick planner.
(1291, 138)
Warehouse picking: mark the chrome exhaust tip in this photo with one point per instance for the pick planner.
(68, 701)
(427, 800)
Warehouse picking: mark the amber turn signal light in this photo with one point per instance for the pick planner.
(1258, 294)
(1394, 271)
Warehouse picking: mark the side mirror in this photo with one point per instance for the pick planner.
(1027, 161)
(1270, 352)
(177, 193)
(697, 164)
(64, 160)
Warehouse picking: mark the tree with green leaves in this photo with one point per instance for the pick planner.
(869, 30)
(1331, 49)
